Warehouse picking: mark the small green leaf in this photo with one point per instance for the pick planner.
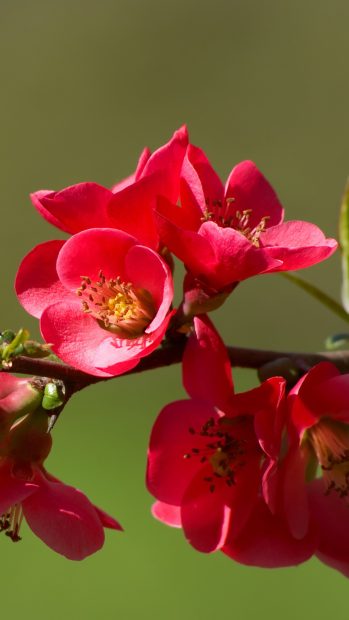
(344, 246)
(336, 342)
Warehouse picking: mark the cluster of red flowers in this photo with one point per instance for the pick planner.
(237, 472)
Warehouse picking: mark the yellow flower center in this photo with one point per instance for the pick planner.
(118, 306)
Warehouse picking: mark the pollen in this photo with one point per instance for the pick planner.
(330, 442)
(221, 213)
(118, 306)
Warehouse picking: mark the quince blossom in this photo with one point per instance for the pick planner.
(60, 515)
(319, 431)
(128, 205)
(103, 299)
(227, 234)
(210, 456)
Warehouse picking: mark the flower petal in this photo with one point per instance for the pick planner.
(13, 490)
(143, 158)
(108, 521)
(37, 284)
(205, 515)
(330, 513)
(169, 472)
(200, 179)
(36, 198)
(132, 210)
(79, 340)
(267, 542)
(65, 520)
(252, 192)
(75, 208)
(147, 270)
(171, 515)
(297, 244)
(167, 160)
(206, 367)
(236, 258)
(89, 252)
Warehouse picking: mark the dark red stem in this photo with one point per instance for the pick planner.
(279, 362)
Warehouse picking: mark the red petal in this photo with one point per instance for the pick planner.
(168, 160)
(91, 251)
(330, 513)
(132, 210)
(295, 493)
(77, 207)
(171, 515)
(236, 258)
(205, 515)
(267, 542)
(206, 367)
(65, 520)
(79, 340)
(144, 156)
(37, 283)
(211, 186)
(172, 437)
(145, 269)
(108, 521)
(36, 199)
(252, 192)
(13, 490)
(297, 245)
(310, 398)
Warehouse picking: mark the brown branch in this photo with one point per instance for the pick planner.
(172, 354)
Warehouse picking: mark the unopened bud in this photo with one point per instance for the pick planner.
(18, 397)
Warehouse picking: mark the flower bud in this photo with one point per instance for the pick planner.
(18, 397)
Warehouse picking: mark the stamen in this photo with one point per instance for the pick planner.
(223, 215)
(224, 448)
(11, 521)
(116, 305)
(330, 441)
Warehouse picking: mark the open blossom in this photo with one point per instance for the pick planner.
(128, 205)
(59, 514)
(103, 299)
(319, 428)
(210, 456)
(306, 510)
(227, 234)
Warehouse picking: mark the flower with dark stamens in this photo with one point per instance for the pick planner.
(60, 515)
(207, 456)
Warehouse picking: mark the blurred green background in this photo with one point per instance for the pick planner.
(84, 86)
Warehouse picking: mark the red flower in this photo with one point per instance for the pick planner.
(208, 455)
(128, 205)
(319, 430)
(225, 235)
(60, 515)
(103, 299)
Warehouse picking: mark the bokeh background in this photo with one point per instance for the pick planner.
(84, 86)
